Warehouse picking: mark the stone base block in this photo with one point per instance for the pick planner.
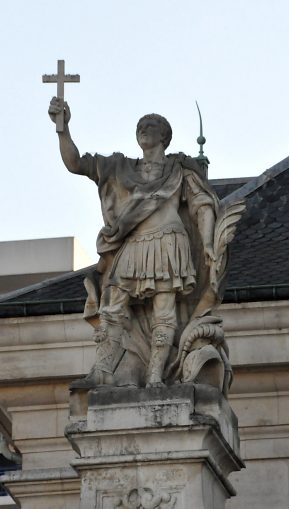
(157, 448)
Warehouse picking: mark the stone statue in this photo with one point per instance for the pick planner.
(163, 259)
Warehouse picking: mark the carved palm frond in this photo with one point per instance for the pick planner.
(225, 228)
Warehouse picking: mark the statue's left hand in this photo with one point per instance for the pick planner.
(209, 255)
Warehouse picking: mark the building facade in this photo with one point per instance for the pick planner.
(45, 344)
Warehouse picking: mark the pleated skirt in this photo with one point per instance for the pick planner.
(155, 261)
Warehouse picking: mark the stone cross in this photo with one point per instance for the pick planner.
(60, 78)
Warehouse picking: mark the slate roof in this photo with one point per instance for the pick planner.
(260, 252)
(259, 268)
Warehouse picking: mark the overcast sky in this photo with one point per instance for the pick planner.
(135, 57)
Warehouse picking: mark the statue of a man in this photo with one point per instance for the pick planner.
(156, 251)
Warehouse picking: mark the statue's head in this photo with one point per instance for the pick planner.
(153, 129)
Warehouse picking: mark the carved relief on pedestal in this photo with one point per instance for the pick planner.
(146, 498)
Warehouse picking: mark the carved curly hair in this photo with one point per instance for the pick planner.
(166, 129)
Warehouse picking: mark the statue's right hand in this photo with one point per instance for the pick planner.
(56, 106)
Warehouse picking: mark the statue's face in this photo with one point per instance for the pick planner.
(149, 134)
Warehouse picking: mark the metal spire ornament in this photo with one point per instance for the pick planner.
(201, 140)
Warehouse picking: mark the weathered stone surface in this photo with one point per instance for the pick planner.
(129, 408)
(175, 445)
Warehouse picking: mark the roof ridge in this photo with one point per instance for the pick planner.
(45, 283)
(256, 182)
(229, 180)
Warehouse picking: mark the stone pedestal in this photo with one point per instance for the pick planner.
(157, 448)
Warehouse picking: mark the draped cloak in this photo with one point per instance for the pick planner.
(127, 199)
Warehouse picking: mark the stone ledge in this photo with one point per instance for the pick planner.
(42, 482)
(45, 474)
(171, 458)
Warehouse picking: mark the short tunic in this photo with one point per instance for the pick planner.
(155, 261)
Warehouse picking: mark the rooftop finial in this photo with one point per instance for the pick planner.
(201, 140)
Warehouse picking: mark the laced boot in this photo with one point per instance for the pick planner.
(109, 353)
(162, 340)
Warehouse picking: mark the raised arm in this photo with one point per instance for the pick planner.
(69, 152)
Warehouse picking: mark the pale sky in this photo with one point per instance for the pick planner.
(135, 57)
